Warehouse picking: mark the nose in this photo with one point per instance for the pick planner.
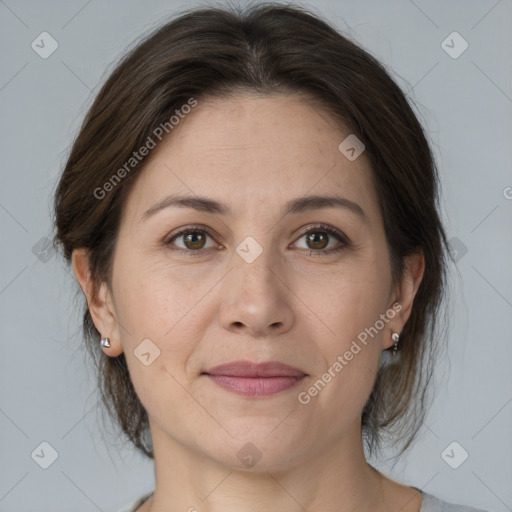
(256, 299)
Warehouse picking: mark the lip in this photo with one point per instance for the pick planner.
(255, 379)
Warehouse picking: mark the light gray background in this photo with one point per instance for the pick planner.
(47, 391)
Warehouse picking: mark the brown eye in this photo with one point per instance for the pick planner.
(190, 239)
(317, 239)
(194, 240)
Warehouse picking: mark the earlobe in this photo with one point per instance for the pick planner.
(98, 300)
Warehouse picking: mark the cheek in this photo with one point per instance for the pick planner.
(157, 313)
(351, 299)
(155, 309)
(153, 297)
(351, 306)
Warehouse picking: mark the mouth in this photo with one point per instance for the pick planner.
(255, 379)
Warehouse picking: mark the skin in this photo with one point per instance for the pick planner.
(254, 153)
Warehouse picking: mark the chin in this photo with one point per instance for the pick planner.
(257, 448)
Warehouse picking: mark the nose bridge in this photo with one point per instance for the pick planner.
(253, 263)
(254, 295)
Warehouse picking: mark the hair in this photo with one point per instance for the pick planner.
(266, 49)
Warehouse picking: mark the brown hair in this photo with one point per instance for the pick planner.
(266, 48)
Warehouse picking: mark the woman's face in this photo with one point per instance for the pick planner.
(252, 283)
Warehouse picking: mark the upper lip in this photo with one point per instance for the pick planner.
(250, 369)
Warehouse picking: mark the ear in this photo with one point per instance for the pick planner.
(405, 291)
(99, 300)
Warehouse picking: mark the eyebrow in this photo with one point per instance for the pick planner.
(298, 205)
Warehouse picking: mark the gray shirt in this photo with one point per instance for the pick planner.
(429, 504)
(432, 504)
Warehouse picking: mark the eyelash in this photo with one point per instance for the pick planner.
(345, 243)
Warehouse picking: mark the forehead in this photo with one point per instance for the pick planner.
(287, 127)
(252, 149)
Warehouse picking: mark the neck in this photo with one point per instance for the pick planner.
(338, 478)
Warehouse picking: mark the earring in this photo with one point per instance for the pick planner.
(395, 337)
(105, 342)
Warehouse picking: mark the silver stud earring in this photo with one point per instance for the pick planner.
(105, 342)
(395, 337)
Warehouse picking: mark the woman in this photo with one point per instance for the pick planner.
(250, 209)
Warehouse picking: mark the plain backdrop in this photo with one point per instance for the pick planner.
(47, 389)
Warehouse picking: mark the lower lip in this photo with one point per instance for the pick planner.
(255, 386)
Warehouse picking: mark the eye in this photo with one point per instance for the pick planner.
(193, 238)
(318, 238)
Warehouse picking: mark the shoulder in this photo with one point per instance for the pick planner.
(432, 504)
(135, 504)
